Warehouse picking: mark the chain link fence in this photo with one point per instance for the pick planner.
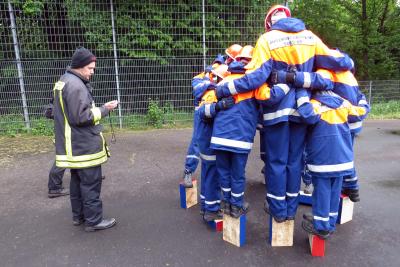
(148, 51)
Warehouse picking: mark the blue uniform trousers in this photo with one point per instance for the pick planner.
(192, 155)
(231, 168)
(325, 202)
(351, 181)
(295, 165)
(276, 150)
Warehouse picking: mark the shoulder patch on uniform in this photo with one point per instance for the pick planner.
(59, 85)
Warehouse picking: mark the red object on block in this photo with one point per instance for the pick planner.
(317, 246)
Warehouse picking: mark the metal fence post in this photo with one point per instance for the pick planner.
(19, 66)
(116, 64)
(204, 34)
(370, 93)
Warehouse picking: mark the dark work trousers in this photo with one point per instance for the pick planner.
(85, 188)
(56, 175)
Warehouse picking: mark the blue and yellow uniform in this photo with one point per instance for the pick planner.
(329, 152)
(288, 43)
(209, 176)
(344, 84)
(234, 131)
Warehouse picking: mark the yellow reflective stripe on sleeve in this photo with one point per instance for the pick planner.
(96, 114)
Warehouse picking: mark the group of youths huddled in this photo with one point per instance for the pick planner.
(305, 101)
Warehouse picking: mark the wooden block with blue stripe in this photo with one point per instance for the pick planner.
(281, 234)
(305, 199)
(234, 230)
(346, 207)
(188, 196)
(317, 245)
(216, 225)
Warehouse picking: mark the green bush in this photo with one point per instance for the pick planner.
(155, 114)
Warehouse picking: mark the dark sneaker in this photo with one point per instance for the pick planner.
(104, 224)
(308, 189)
(77, 222)
(58, 193)
(226, 207)
(187, 179)
(309, 228)
(353, 194)
(210, 216)
(237, 211)
(277, 219)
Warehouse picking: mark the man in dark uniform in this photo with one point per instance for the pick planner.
(80, 145)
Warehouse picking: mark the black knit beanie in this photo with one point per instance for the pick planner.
(81, 58)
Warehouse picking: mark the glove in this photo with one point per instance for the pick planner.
(282, 77)
(225, 103)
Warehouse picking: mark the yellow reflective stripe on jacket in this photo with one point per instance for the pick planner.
(84, 164)
(82, 161)
(59, 86)
(96, 114)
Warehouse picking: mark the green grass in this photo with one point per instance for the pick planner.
(166, 117)
(385, 110)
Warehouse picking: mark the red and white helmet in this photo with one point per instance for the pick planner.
(272, 11)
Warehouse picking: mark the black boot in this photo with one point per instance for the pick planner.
(309, 228)
(237, 211)
(226, 207)
(277, 219)
(210, 216)
(353, 194)
(58, 193)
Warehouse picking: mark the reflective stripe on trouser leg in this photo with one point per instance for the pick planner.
(321, 202)
(224, 172)
(336, 188)
(212, 188)
(90, 185)
(56, 175)
(192, 155)
(295, 165)
(277, 149)
(238, 182)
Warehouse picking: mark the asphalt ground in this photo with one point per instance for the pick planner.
(141, 191)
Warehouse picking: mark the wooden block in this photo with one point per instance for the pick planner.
(234, 230)
(216, 225)
(317, 245)
(305, 199)
(188, 196)
(345, 213)
(281, 234)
